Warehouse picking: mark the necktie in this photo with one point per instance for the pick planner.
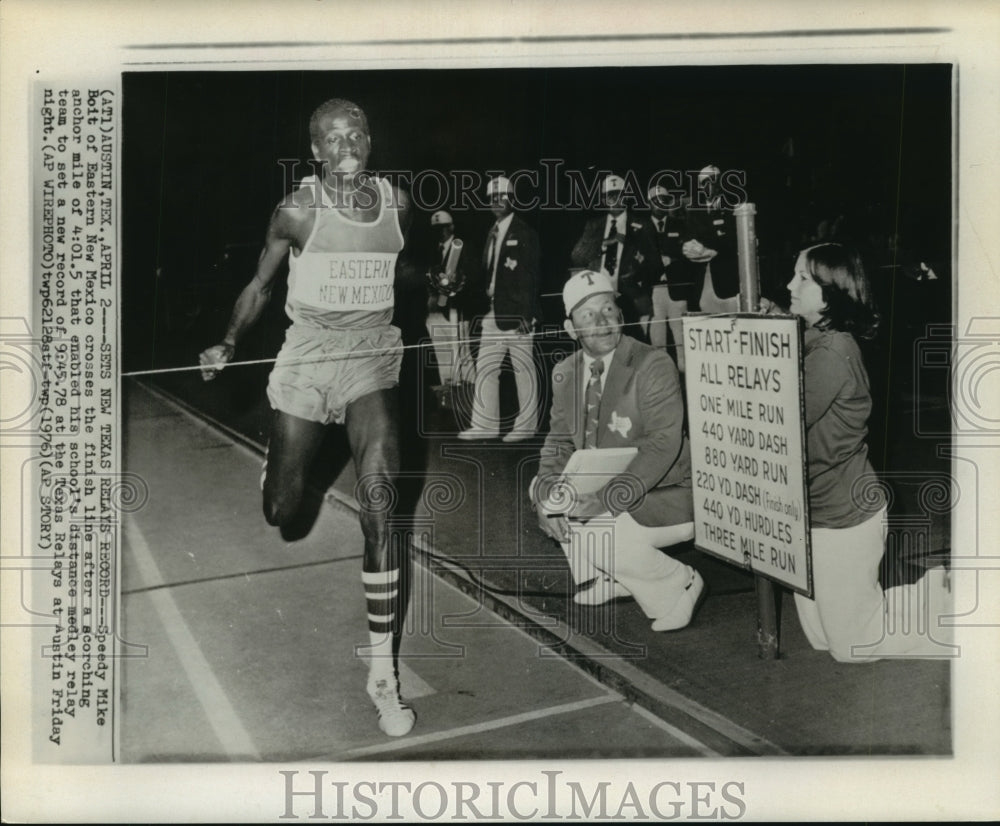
(491, 247)
(660, 222)
(491, 250)
(611, 248)
(593, 401)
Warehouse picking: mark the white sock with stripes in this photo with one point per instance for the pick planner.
(395, 718)
(381, 594)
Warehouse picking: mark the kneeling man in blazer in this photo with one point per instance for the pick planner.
(618, 392)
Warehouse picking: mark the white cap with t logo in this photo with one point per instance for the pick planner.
(582, 285)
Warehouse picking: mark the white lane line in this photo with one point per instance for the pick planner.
(476, 728)
(676, 733)
(234, 738)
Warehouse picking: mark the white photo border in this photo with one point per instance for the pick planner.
(58, 40)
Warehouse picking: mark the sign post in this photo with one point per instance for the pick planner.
(768, 600)
(751, 504)
(743, 381)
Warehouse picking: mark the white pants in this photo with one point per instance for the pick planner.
(630, 553)
(852, 617)
(665, 311)
(493, 346)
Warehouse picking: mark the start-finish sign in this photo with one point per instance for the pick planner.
(744, 388)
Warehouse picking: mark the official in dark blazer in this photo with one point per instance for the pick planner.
(618, 243)
(650, 505)
(515, 300)
(680, 282)
(509, 310)
(711, 243)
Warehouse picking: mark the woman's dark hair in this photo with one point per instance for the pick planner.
(850, 306)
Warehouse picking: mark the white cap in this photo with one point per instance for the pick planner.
(710, 171)
(440, 218)
(612, 183)
(657, 192)
(582, 285)
(500, 184)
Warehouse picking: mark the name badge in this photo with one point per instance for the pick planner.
(510, 243)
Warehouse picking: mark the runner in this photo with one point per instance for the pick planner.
(341, 357)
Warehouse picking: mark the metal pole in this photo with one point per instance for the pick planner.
(455, 329)
(746, 245)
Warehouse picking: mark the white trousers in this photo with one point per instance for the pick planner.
(630, 553)
(494, 345)
(852, 617)
(666, 312)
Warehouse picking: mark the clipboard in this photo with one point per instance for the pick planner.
(587, 471)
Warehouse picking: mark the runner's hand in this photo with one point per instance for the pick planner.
(214, 359)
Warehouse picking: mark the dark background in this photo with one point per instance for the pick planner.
(201, 170)
(861, 153)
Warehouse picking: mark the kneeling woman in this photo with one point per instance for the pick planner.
(850, 615)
